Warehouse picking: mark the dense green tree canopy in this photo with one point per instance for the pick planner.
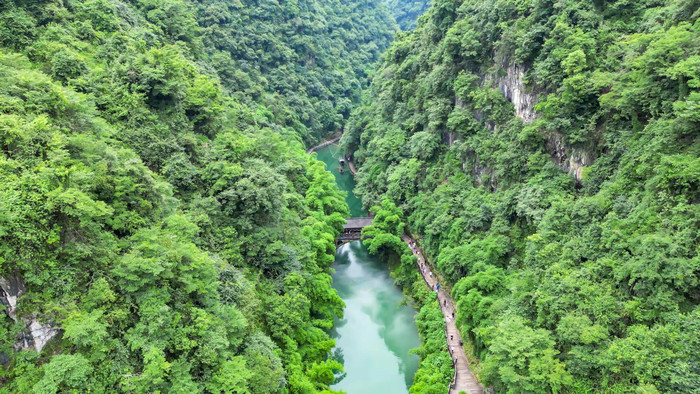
(407, 12)
(163, 228)
(157, 205)
(305, 61)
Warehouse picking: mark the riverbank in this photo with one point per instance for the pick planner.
(351, 166)
(374, 337)
(437, 368)
(332, 140)
(386, 237)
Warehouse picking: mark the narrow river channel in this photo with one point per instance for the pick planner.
(374, 337)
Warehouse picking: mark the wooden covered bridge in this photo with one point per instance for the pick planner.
(352, 231)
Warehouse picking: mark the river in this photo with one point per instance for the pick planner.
(378, 330)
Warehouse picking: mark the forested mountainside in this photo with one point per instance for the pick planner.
(304, 60)
(162, 229)
(406, 12)
(547, 153)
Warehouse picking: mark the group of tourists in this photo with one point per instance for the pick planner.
(414, 249)
(436, 289)
(448, 310)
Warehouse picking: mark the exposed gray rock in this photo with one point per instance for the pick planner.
(577, 162)
(24, 341)
(557, 150)
(449, 138)
(484, 175)
(571, 160)
(513, 88)
(41, 333)
(37, 334)
(11, 289)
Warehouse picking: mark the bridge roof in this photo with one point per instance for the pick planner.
(358, 222)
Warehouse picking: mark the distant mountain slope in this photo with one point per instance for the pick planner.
(305, 61)
(407, 12)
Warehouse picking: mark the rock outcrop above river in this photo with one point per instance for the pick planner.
(37, 334)
(513, 88)
(571, 160)
(11, 288)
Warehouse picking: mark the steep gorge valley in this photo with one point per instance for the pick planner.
(163, 229)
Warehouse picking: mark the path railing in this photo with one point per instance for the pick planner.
(462, 379)
(447, 342)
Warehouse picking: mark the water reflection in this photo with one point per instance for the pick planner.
(377, 332)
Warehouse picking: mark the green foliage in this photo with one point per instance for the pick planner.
(156, 199)
(16, 29)
(407, 12)
(524, 360)
(435, 371)
(384, 235)
(305, 61)
(547, 154)
(64, 372)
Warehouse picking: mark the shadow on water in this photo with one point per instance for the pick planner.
(338, 356)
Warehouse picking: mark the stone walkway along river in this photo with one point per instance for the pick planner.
(464, 378)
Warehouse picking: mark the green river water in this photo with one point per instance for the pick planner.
(374, 337)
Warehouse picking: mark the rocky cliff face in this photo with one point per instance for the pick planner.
(40, 334)
(512, 85)
(449, 138)
(11, 289)
(513, 88)
(37, 335)
(571, 160)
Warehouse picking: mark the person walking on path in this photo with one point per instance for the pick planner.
(464, 380)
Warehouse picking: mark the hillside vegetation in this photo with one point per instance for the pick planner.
(162, 229)
(547, 153)
(407, 12)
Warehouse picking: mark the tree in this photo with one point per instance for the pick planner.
(523, 359)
